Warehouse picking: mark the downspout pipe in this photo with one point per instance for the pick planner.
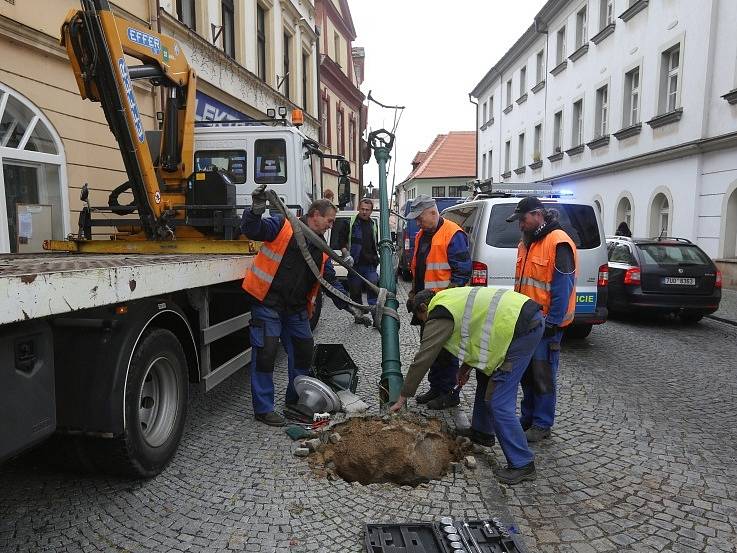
(542, 28)
(476, 144)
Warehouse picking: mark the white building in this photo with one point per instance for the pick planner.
(629, 103)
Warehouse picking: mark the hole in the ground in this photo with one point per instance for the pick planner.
(405, 450)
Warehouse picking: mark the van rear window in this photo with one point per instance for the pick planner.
(579, 221)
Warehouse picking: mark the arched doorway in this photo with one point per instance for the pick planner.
(33, 191)
(730, 227)
(624, 212)
(660, 216)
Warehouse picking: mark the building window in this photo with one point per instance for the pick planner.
(538, 145)
(485, 113)
(438, 191)
(187, 14)
(228, 22)
(577, 129)
(660, 215)
(325, 122)
(581, 28)
(558, 132)
(624, 212)
(521, 150)
(602, 111)
(631, 108)
(339, 115)
(540, 66)
(606, 13)
(509, 92)
(523, 80)
(456, 191)
(483, 166)
(489, 158)
(507, 155)
(669, 80)
(305, 79)
(597, 203)
(491, 107)
(32, 177)
(286, 63)
(352, 138)
(560, 52)
(261, 42)
(336, 47)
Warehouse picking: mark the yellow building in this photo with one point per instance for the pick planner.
(250, 55)
(342, 113)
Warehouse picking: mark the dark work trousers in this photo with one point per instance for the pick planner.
(356, 285)
(267, 328)
(443, 375)
(539, 384)
(499, 414)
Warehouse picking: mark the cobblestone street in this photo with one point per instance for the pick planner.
(641, 459)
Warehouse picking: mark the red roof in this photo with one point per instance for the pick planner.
(449, 155)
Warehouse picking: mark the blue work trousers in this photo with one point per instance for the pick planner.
(356, 285)
(267, 328)
(499, 414)
(540, 382)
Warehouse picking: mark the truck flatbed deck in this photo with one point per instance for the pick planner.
(35, 286)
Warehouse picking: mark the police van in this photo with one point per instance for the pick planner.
(493, 245)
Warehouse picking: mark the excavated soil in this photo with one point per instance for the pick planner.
(406, 450)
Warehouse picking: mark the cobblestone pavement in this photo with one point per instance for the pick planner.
(642, 456)
(234, 484)
(728, 306)
(641, 459)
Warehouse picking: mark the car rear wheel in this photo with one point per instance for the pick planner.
(578, 331)
(691, 318)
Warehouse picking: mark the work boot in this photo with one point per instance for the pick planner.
(272, 419)
(512, 475)
(478, 437)
(427, 396)
(537, 433)
(444, 401)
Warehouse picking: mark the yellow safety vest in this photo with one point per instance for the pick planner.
(485, 319)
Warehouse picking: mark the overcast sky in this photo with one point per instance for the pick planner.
(428, 55)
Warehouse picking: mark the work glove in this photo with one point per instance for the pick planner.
(348, 260)
(359, 317)
(550, 330)
(258, 200)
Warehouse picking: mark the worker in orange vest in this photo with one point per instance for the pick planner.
(283, 290)
(546, 273)
(441, 260)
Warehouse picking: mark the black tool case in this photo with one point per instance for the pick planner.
(425, 537)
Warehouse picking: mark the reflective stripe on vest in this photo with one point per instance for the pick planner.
(260, 275)
(484, 323)
(437, 266)
(538, 263)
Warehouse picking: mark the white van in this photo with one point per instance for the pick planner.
(493, 245)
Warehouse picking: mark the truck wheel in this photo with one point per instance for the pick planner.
(155, 405)
(318, 309)
(578, 331)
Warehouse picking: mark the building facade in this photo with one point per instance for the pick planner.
(342, 111)
(631, 104)
(445, 169)
(250, 55)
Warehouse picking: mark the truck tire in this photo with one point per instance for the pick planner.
(155, 406)
(318, 309)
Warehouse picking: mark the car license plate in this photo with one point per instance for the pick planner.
(680, 281)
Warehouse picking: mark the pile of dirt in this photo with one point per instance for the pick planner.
(406, 450)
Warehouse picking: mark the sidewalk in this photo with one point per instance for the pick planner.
(727, 311)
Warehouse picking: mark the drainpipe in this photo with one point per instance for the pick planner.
(476, 144)
(542, 28)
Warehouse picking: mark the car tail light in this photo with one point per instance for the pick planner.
(603, 278)
(479, 274)
(632, 276)
(718, 280)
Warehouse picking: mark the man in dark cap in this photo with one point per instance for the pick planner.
(441, 260)
(546, 273)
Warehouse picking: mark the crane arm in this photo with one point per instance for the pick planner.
(97, 43)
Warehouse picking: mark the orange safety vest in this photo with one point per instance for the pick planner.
(536, 267)
(437, 268)
(261, 273)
